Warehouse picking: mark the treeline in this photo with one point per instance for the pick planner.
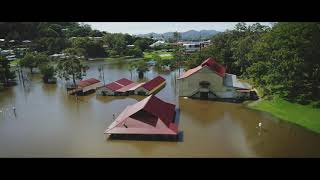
(54, 37)
(282, 60)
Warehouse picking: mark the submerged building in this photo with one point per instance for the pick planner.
(86, 86)
(209, 80)
(124, 87)
(151, 87)
(121, 87)
(149, 118)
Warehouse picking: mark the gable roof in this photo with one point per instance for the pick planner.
(124, 81)
(149, 116)
(113, 86)
(87, 82)
(211, 64)
(153, 83)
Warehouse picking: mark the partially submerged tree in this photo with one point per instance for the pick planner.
(73, 66)
(29, 61)
(5, 73)
(141, 67)
(48, 73)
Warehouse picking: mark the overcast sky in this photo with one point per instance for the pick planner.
(161, 27)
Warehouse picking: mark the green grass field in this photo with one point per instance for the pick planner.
(303, 115)
(163, 55)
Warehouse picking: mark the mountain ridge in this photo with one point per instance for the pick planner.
(187, 35)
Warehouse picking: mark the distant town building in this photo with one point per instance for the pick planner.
(195, 46)
(150, 117)
(130, 46)
(209, 80)
(26, 41)
(158, 43)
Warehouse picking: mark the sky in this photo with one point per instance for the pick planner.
(161, 27)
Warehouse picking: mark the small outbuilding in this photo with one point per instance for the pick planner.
(150, 117)
(86, 86)
(118, 87)
(151, 87)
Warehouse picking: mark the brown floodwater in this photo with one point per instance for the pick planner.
(49, 123)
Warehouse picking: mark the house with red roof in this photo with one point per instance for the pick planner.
(151, 87)
(209, 80)
(86, 86)
(121, 87)
(149, 118)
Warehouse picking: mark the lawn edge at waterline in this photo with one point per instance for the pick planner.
(302, 115)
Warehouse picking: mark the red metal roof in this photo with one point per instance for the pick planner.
(149, 116)
(87, 82)
(211, 63)
(128, 87)
(113, 86)
(124, 81)
(153, 83)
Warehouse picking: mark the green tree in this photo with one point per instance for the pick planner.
(5, 73)
(48, 72)
(141, 67)
(73, 66)
(176, 36)
(29, 61)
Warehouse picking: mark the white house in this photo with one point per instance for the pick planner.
(209, 80)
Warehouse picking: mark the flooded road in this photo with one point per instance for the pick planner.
(49, 123)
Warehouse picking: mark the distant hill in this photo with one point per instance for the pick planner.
(188, 35)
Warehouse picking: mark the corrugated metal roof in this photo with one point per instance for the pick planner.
(136, 86)
(153, 83)
(232, 81)
(211, 63)
(149, 116)
(124, 81)
(113, 86)
(128, 87)
(87, 82)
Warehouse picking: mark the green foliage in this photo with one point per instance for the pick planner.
(29, 61)
(135, 52)
(73, 66)
(48, 72)
(141, 66)
(143, 43)
(306, 116)
(5, 73)
(282, 61)
(176, 36)
(93, 49)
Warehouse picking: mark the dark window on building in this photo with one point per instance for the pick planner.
(204, 84)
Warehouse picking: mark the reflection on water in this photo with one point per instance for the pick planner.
(49, 123)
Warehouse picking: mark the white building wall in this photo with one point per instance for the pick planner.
(190, 85)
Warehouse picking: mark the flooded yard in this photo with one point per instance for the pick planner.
(49, 123)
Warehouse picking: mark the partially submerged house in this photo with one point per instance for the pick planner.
(125, 87)
(209, 80)
(149, 118)
(120, 87)
(151, 87)
(86, 86)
